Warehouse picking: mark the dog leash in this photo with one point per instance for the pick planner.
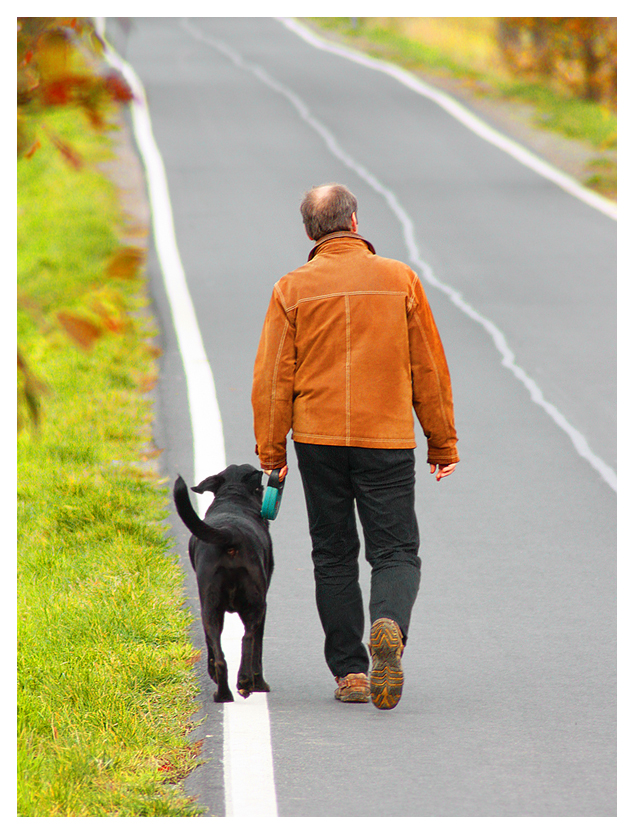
(273, 496)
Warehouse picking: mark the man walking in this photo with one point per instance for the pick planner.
(348, 348)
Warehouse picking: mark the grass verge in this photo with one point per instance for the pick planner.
(105, 678)
(465, 49)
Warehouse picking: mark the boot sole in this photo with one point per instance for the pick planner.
(386, 677)
(354, 697)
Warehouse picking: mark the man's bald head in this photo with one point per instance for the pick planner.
(328, 208)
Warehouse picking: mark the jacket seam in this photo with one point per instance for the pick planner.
(280, 294)
(436, 370)
(346, 294)
(275, 383)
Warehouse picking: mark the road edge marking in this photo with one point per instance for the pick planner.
(463, 115)
(247, 753)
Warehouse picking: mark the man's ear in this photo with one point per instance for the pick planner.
(354, 222)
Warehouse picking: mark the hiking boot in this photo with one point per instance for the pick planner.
(352, 688)
(386, 675)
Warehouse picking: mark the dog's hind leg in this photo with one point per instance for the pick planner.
(211, 663)
(216, 663)
(260, 685)
(245, 682)
(250, 678)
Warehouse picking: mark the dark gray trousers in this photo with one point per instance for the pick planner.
(380, 482)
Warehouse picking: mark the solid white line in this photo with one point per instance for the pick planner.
(247, 755)
(508, 359)
(462, 114)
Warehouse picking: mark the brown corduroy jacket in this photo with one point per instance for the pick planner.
(348, 348)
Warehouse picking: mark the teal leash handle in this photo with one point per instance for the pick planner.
(273, 496)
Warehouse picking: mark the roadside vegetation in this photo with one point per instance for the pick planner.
(105, 682)
(536, 61)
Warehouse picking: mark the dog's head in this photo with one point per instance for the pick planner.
(237, 479)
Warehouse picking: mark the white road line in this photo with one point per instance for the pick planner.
(247, 755)
(462, 114)
(425, 271)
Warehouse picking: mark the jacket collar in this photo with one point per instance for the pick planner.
(334, 235)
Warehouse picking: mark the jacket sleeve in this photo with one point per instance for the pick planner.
(272, 390)
(431, 386)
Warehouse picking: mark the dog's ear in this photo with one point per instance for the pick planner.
(253, 480)
(210, 484)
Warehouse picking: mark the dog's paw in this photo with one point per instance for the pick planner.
(245, 687)
(260, 685)
(223, 697)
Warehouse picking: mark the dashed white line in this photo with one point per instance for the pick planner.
(508, 360)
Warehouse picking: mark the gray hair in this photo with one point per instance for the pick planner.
(326, 209)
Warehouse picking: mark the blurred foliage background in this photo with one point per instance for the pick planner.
(61, 69)
(558, 74)
(577, 55)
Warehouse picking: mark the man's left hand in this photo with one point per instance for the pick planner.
(283, 471)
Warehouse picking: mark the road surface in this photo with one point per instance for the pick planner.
(509, 702)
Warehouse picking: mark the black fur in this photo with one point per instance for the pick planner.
(232, 555)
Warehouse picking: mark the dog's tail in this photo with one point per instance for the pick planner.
(200, 529)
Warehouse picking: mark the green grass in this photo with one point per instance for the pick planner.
(386, 42)
(105, 679)
(450, 47)
(572, 117)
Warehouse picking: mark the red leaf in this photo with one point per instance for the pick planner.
(68, 152)
(56, 93)
(117, 87)
(126, 262)
(81, 329)
(33, 149)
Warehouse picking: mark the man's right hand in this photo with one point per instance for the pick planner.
(444, 470)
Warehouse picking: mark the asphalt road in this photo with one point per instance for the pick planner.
(509, 702)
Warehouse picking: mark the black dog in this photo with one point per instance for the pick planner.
(232, 556)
